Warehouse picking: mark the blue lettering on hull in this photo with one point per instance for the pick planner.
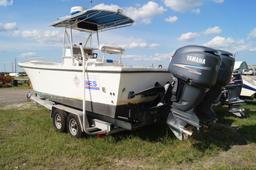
(92, 85)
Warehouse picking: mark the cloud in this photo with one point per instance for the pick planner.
(6, 2)
(196, 11)
(125, 41)
(142, 13)
(28, 54)
(133, 45)
(171, 19)
(53, 37)
(146, 12)
(252, 34)
(43, 36)
(189, 36)
(10, 26)
(111, 7)
(213, 30)
(219, 41)
(183, 5)
(187, 5)
(252, 50)
(219, 1)
(229, 44)
(155, 57)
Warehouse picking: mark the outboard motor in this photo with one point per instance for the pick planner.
(212, 97)
(231, 93)
(195, 69)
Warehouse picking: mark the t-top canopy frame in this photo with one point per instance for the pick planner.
(94, 20)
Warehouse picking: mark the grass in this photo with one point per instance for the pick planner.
(22, 86)
(28, 141)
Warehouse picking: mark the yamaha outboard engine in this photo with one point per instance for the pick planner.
(195, 69)
(231, 93)
(205, 110)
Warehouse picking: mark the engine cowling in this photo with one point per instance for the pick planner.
(196, 64)
(226, 68)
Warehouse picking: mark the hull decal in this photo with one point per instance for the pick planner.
(249, 87)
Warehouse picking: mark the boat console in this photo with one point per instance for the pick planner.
(73, 56)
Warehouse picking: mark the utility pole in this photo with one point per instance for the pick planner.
(4, 67)
(12, 65)
(15, 65)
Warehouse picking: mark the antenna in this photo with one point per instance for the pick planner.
(236, 54)
(91, 1)
(15, 65)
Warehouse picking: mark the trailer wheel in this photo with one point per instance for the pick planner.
(74, 127)
(59, 120)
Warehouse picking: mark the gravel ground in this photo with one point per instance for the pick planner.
(12, 96)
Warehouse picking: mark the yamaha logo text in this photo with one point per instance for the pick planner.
(195, 59)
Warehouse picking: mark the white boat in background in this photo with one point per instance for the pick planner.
(109, 86)
(249, 82)
(249, 86)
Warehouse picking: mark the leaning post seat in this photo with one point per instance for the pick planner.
(204, 109)
(195, 68)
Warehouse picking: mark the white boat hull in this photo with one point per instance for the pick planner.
(249, 86)
(107, 89)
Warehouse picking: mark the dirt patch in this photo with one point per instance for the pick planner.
(10, 96)
(131, 164)
(21, 106)
(239, 156)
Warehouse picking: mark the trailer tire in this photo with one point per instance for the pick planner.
(59, 120)
(74, 127)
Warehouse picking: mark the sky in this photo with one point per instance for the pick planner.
(160, 28)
